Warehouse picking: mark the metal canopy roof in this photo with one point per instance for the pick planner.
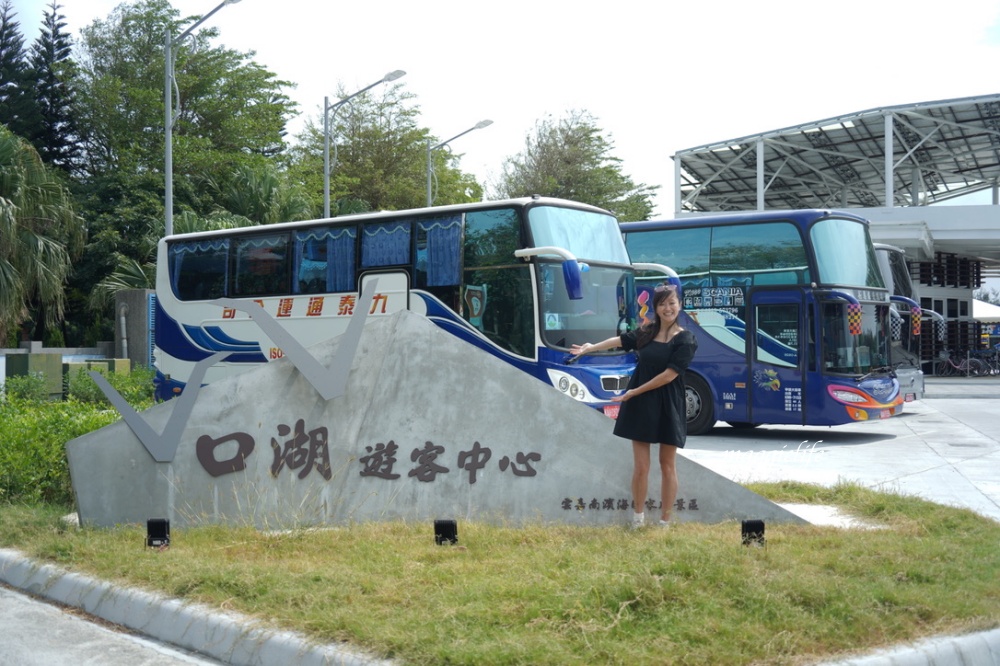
(937, 151)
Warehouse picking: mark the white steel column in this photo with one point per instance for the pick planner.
(677, 186)
(888, 161)
(760, 174)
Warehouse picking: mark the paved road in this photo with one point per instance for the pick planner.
(945, 448)
(40, 634)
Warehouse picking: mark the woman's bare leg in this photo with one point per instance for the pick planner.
(668, 479)
(640, 475)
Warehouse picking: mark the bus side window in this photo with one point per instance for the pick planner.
(778, 334)
(438, 267)
(312, 267)
(198, 269)
(261, 265)
(385, 244)
(500, 283)
(324, 260)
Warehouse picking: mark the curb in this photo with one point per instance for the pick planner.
(227, 637)
(980, 649)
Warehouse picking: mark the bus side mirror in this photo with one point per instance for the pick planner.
(571, 275)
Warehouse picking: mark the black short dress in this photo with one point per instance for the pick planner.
(657, 416)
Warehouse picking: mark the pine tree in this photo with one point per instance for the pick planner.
(17, 108)
(53, 71)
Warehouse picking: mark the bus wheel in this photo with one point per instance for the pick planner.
(700, 406)
(742, 425)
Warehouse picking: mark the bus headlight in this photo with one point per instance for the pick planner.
(847, 396)
(569, 385)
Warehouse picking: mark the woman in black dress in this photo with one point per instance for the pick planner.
(653, 408)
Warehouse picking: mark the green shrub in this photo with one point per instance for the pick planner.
(30, 388)
(33, 465)
(136, 387)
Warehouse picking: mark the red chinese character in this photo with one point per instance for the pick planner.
(315, 308)
(346, 305)
(228, 313)
(379, 298)
(285, 307)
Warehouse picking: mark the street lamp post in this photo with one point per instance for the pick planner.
(327, 108)
(168, 114)
(430, 149)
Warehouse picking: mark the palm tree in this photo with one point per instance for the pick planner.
(40, 234)
(260, 194)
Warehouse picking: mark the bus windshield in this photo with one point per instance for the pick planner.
(601, 311)
(839, 245)
(587, 235)
(845, 353)
(593, 238)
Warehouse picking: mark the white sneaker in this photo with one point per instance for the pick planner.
(638, 520)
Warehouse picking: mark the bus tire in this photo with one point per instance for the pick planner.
(700, 405)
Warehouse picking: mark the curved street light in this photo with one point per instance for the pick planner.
(430, 149)
(327, 108)
(168, 114)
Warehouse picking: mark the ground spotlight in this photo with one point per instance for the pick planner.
(753, 532)
(157, 532)
(445, 531)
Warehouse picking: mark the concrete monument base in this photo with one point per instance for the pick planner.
(429, 427)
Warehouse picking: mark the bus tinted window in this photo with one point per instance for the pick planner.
(757, 248)
(198, 268)
(491, 237)
(260, 265)
(844, 253)
(778, 334)
(684, 250)
(385, 244)
(324, 260)
(498, 294)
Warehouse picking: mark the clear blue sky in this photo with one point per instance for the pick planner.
(658, 76)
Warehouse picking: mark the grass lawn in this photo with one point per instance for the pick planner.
(691, 594)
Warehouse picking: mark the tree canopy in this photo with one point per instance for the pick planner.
(230, 110)
(378, 157)
(572, 159)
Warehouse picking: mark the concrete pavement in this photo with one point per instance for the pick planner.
(38, 634)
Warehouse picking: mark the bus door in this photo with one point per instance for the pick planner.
(776, 356)
(392, 291)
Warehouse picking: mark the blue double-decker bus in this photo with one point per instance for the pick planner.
(791, 314)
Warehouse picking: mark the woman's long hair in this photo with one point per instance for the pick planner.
(648, 331)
